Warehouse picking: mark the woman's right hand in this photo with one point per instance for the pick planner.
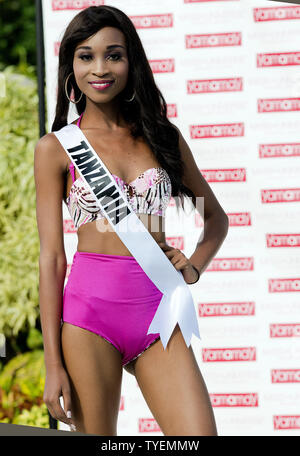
(57, 384)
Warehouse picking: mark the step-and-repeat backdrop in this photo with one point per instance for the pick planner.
(229, 71)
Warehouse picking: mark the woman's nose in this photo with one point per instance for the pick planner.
(100, 67)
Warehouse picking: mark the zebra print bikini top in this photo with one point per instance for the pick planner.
(149, 193)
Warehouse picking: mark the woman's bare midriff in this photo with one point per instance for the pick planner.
(127, 158)
(99, 236)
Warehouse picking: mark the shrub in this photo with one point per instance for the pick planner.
(19, 245)
(22, 383)
(36, 416)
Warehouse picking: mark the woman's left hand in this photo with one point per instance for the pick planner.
(180, 262)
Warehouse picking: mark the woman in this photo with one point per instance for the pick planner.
(109, 301)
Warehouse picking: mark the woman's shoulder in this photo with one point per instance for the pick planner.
(47, 142)
(49, 147)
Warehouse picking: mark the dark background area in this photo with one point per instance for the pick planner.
(17, 35)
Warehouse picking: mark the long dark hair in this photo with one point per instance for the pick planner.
(147, 113)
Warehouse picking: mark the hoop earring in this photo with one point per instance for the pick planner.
(132, 98)
(75, 102)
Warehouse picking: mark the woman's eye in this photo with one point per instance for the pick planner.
(82, 57)
(115, 55)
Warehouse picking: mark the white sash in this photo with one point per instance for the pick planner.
(176, 305)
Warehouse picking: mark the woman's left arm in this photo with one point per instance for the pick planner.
(216, 222)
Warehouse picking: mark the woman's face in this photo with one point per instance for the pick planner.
(104, 59)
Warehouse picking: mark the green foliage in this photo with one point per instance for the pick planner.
(19, 242)
(18, 33)
(22, 378)
(22, 383)
(36, 416)
(34, 339)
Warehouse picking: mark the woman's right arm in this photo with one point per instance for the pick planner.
(49, 184)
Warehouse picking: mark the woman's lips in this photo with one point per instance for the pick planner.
(101, 86)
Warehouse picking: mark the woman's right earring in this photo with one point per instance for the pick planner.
(75, 102)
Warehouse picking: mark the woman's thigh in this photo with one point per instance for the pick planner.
(174, 389)
(94, 367)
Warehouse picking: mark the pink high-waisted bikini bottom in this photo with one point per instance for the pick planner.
(113, 297)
